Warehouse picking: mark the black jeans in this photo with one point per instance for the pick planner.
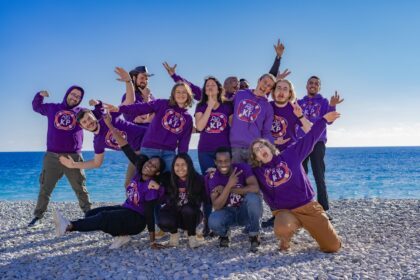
(186, 217)
(115, 220)
(318, 169)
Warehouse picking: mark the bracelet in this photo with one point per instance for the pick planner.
(301, 117)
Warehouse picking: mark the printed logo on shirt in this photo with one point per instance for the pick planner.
(217, 123)
(111, 142)
(65, 120)
(279, 127)
(278, 175)
(173, 121)
(311, 109)
(182, 196)
(132, 193)
(235, 199)
(248, 110)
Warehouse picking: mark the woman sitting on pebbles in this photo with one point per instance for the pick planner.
(184, 195)
(288, 192)
(143, 194)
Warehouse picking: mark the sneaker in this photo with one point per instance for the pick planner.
(174, 239)
(194, 241)
(61, 223)
(160, 234)
(268, 223)
(224, 241)
(36, 222)
(255, 243)
(120, 241)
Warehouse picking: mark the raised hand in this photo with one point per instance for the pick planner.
(335, 99)
(281, 141)
(44, 93)
(111, 108)
(279, 48)
(331, 116)
(123, 75)
(171, 70)
(233, 178)
(66, 161)
(153, 185)
(93, 102)
(281, 76)
(297, 110)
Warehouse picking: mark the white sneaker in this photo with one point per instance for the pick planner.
(194, 242)
(120, 241)
(61, 223)
(174, 239)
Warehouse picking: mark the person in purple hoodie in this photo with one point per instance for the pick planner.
(236, 199)
(288, 191)
(132, 217)
(252, 117)
(314, 106)
(64, 138)
(171, 128)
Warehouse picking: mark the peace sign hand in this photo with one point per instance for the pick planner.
(233, 178)
(335, 99)
(171, 70)
(281, 76)
(279, 48)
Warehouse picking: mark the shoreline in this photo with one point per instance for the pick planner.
(380, 240)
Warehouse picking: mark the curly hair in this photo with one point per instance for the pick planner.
(253, 157)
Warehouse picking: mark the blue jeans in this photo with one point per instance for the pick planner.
(248, 214)
(166, 155)
(206, 160)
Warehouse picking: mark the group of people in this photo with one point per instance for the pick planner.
(250, 150)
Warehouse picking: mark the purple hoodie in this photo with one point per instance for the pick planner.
(285, 124)
(170, 129)
(252, 118)
(138, 192)
(64, 135)
(314, 108)
(283, 180)
(196, 90)
(139, 99)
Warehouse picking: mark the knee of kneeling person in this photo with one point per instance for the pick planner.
(284, 229)
(334, 247)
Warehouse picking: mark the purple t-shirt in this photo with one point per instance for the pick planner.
(219, 179)
(283, 180)
(104, 139)
(171, 127)
(252, 118)
(216, 132)
(285, 124)
(138, 192)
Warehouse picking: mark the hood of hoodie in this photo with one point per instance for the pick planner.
(317, 96)
(68, 92)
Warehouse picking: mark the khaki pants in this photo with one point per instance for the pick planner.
(311, 217)
(52, 171)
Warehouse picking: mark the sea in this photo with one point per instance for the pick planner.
(351, 173)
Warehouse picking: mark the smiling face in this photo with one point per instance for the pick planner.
(151, 168)
(261, 152)
(74, 97)
(313, 86)
(223, 162)
(142, 81)
(265, 85)
(181, 168)
(181, 96)
(282, 93)
(89, 122)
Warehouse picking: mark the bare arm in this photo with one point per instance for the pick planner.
(251, 186)
(129, 87)
(201, 119)
(220, 194)
(96, 162)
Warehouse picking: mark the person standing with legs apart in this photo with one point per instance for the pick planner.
(314, 106)
(64, 138)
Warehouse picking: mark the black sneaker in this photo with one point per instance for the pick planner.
(255, 243)
(268, 223)
(35, 222)
(224, 241)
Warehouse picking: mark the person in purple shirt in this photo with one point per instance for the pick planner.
(252, 117)
(288, 191)
(314, 106)
(132, 217)
(184, 195)
(140, 78)
(171, 128)
(64, 138)
(236, 199)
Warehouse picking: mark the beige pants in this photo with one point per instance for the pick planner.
(52, 171)
(311, 217)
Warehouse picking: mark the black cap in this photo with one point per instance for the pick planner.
(140, 69)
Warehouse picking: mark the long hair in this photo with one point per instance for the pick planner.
(253, 158)
(195, 183)
(190, 98)
(204, 97)
(292, 92)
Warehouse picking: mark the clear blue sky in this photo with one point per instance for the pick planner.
(367, 50)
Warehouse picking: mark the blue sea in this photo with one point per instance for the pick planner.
(352, 173)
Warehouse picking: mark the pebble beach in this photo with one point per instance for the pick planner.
(381, 240)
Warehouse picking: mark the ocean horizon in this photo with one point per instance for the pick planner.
(351, 173)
